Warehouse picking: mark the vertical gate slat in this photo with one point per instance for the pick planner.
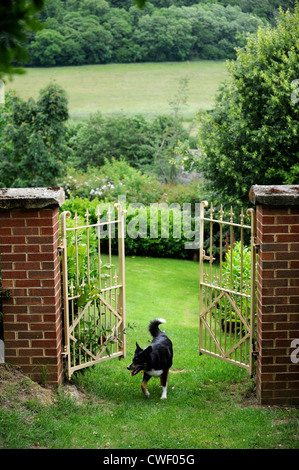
(121, 267)
(65, 287)
(251, 212)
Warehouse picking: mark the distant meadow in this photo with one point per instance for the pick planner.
(145, 88)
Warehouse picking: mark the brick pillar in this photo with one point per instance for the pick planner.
(277, 373)
(30, 270)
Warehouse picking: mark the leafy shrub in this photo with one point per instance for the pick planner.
(81, 251)
(114, 178)
(183, 194)
(145, 144)
(32, 146)
(234, 271)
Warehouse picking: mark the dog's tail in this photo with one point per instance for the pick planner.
(154, 326)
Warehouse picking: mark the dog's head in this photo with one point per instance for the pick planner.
(140, 359)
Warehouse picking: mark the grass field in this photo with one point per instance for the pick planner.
(210, 405)
(143, 88)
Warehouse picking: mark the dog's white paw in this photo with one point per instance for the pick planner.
(147, 393)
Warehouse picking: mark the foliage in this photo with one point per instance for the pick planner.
(165, 158)
(118, 179)
(81, 252)
(148, 144)
(251, 136)
(266, 9)
(191, 193)
(82, 41)
(31, 139)
(232, 268)
(92, 32)
(236, 272)
(50, 43)
(106, 137)
(113, 179)
(16, 19)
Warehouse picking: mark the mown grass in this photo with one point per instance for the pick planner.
(145, 88)
(210, 404)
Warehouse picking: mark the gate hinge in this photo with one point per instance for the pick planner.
(255, 354)
(256, 245)
(64, 353)
(60, 249)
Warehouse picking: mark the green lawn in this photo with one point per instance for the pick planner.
(210, 404)
(143, 88)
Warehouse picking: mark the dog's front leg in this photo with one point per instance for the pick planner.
(144, 383)
(164, 380)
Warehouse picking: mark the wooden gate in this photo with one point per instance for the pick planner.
(227, 288)
(93, 289)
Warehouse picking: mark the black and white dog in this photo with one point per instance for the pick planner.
(155, 360)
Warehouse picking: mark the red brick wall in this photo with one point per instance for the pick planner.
(30, 268)
(277, 304)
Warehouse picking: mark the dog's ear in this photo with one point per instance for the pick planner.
(148, 350)
(138, 348)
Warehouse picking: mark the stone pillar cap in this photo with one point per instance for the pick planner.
(275, 195)
(31, 198)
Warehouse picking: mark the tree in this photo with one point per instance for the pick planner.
(163, 37)
(52, 9)
(165, 162)
(107, 137)
(47, 48)
(16, 18)
(94, 7)
(148, 146)
(96, 42)
(251, 136)
(118, 23)
(32, 145)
